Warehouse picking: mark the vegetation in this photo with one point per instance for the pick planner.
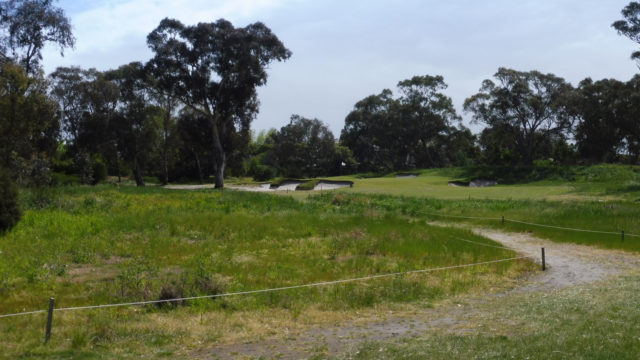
(118, 244)
(9, 210)
(586, 323)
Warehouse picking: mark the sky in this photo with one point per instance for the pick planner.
(345, 50)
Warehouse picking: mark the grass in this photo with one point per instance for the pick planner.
(109, 244)
(597, 322)
(592, 183)
(609, 216)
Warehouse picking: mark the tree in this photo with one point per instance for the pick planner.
(304, 148)
(9, 210)
(28, 118)
(137, 122)
(214, 69)
(630, 26)
(599, 132)
(193, 128)
(386, 133)
(87, 103)
(531, 105)
(27, 25)
(630, 124)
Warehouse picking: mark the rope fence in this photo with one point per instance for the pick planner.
(504, 219)
(249, 292)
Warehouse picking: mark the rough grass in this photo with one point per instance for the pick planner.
(601, 321)
(108, 244)
(592, 215)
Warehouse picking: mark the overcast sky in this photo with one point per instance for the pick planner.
(345, 50)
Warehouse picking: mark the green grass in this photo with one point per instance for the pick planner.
(597, 322)
(109, 244)
(592, 215)
(601, 182)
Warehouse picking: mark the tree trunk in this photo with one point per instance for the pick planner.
(165, 145)
(200, 176)
(219, 157)
(137, 173)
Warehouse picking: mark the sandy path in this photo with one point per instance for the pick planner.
(567, 265)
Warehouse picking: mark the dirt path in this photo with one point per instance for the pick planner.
(568, 265)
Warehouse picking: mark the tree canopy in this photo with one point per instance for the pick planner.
(413, 130)
(27, 25)
(530, 107)
(214, 69)
(630, 26)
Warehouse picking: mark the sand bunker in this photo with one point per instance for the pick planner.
(287, 185)
(332, 185)
(474, 183)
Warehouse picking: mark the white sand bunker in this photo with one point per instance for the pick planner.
(332, 185)
(292, 185)
(287, 185)
(474, 183)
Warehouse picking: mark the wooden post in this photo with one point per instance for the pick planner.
(47, 335)
(544, 266)
(503, 220)
(622, 235)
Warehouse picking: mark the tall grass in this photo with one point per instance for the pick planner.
(109, 244)
(590, 215)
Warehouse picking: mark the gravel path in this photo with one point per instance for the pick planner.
(567, 265)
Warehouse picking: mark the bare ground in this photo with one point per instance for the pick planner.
(567, 265)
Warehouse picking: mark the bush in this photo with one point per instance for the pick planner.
(263, 172)
(99, 169)
(9, 210)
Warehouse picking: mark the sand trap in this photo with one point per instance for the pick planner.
(287, 185)
(332, 185)
(474, 183)
(482, 183)
(406, 175)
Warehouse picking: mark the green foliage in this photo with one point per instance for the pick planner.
(262, 172)
(414, 130)
(526, 109)
(630, 26)
(9, 209)
(183, 67)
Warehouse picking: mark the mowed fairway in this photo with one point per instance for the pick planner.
(108, 244)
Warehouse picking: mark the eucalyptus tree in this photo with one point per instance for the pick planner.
(386, 133)
(27, 26)
(533, 107)
(600, 107)
(137, 121)
(630, 26)
(304, 148)
(214, 69)
(29, 122)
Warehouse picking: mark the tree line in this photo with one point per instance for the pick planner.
(185, 115)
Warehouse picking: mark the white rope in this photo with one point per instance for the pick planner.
(529, 223)
(571, 229)
(482, 244)
(459, 217)
(273, 289)
(24, 313)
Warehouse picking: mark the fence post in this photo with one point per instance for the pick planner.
(622, 235)
(47, 335)
(544, 265)
(502, 219)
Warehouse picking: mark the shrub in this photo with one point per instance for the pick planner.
(9, 210)
(99, 169)
(263, 172)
